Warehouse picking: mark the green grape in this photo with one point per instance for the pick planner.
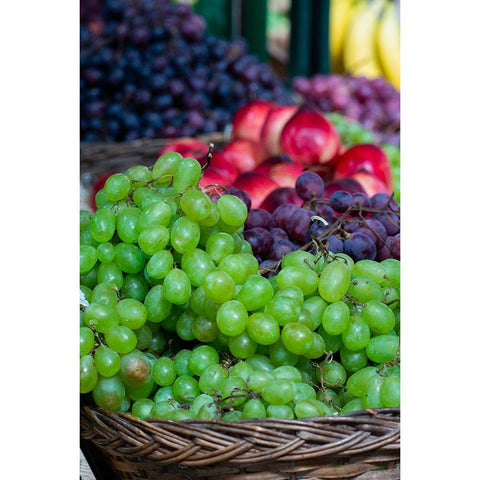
(88, 374)
(87, 239)
(284, 309)
(254, 408)
(382, 348)
(336, 318)
(180, 362)
(365, 289)
(127, 219)
(101, 201)
(280, 411)
(109, 392)
(369, 268)
(371, 398)
(317, 348)
(303, 391)
(332, 374)
(378, 316)
(106, 252)
(199, 402)
(234, 391)
(177, 287)
(219, 286)
(129, 257)
(232, 416)
(257, 379)
(157, 214)
(232, 318)
(233, 211)
(158, 307)
(329, 397)
(292, 292)
(142, 391)
(390, 392)
(142, 408)
(184, 324)
(208, 411)
(352, 406)
(117, 187)
(241, 369)
(334, 281)
(87, 340)
(235, 266)
(391, 298)
(279, 355)
(204, 329)
(197, 265)
(332, 342)
(87, 292)
(187, 174)
(344, 396)
(353, 361)
(357, 335)
(262, 328)
(163, 409)
(89, 279)
(164, 372)
(201, 358)
(211, 219)
(185, 235)
(84, 217)
(100, 317)
(164, 394)
(159, 265)
(196, 204)
(185, 389)
(152, 358)
(110, 273)
(299, 258)
(297, 338)
(279, 391)
(104, 293)
(88, 258)
(306, 318)
(311, 408)
(219, 245)
(316, 305)
(165, 166)
(251, 263)
(125, 405)
(139, 173)
(392, 272)
(135, 369)
(107, 361)
(242, 346)
(132, 313)
(255, 293)
(303, 277)
(134, 286)
(144, 336)
(153, 239)
(260, 362)
(121, 339)
(103, 225)
(287, 372)
(212, 378)
(357, 382)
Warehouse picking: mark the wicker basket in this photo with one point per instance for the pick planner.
(363, 445)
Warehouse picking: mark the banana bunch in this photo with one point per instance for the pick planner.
(365, 38)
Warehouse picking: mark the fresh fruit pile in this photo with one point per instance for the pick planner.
(178, 322)
(365, 38)
(374, 103)
(149, 70)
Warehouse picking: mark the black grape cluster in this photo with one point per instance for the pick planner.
(374, 103)
(149, 70)
(354, 224)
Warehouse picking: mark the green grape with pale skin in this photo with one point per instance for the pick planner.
(317, 348)
(143, 391)
(233, 211)
(251, 263)
(297, 338)
(257, 379)
(200, 401)
(184, 235)
(212, 378)
(208, 411)
(279, 355)
(303, 391)
(142, 408)
(158, 307)
(165, 167)
(177, 287)
(219, 286)
(369, 268)
(153, 239)
(235, 266)
(102, 225)
(159, 265)
(106, 252)
(184, 325)
(164, 394)
(336, 318)
(306, 319)
(357, 334)
(280, 411)
(234, 391)
(202, 357)
(371, 398)
(139, 173)
(311, 408)
(110, 273)
(352, 406)
(219, 245)
(333, 343)
(211, 219)
(89, 279)
(180, 362)
(196, 204)
(185, 389)
(100, 317)
(87, 340)
(390, 392)
(242, 346)
(299, 258)
(107, 361)
(127, 219)
(187, 174)
(241, 369)
(232, 318)
(329, 397)
(287, 372)
(334, 281)
(132, 313)
(382, 348)
(392, 272)
(331, 374)
(117, 187)
(121, 339)
(164, 372)
(129, 257)
(84, 218)
(316, 305)
(262, 328)
(163, 409)
(134, 286)
(88, 258)
(378, 316)
(364, 289)
(87, 239)
(157, 214)
(284, 309)
(109, 392)
(357, 382)
(279, 391)
(144, 336)
(197, 265)
(105, 293)
(88, 374)
(255, 293)
(300, 276)
(260, 361)
(353, 361)
(254, 408)
(205, 329)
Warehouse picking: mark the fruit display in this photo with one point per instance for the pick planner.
(178, 321)
(148, 69)
(365, 38)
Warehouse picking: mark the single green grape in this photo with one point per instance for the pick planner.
(132, 313)
(262, 328)
(177, 287)
(88, 374)
(297, 338)
(102, 225)
(88, 258)
(334, 281)
(232, 318)
(105, 293)
(164, 372)
(357, 381)
(127, 219)
(382, 348)
(364, 289)
(284, 309)
(219, 245)
(219, 286)
(184, 325)
(197, 265)
(144, 336)
(234, 390)
(100, 317)
(336, 318)
(316, 305)
(202, 357)
(185, 389)
(311, 408)
(300, 276)
(121, 339)
(117, 187)
(184, 235)
(280, 411)
(157, 214)
(390, 392)
(332, 374)
(158, 307)
(180, 362)
(255, 293)
(233, 211)
(353, 361)
(242, 346)
(279, 355)
(129, 257)
(212, 378)
(187, 174)
(142, 408)
(87, 340)
(279, 391)
(134, 286)
(109, 392)
(196, 204)
(165, 166)
(107, 361)
(235, 266)
(106, 252)
(378, 316)
(357, 334)
(254, 408)
(110, 273)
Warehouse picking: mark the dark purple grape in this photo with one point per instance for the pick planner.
(260, 239)
(375, 230)
(335, 244)
(309, 185)
(257, 217)
(281, 215)
(278, 234)
(318, 229)
(384, 201)
(297, 225)
(326, 212)
(241, 194)
(390, 221)
(361, 200)
(351, 225)
(340, 201)
(359, 246)
(268, 267)
(395, 246)
(280, 248)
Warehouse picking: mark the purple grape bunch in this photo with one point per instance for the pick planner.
(148, 69)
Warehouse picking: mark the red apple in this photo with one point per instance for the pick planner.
(272, 128)
(248, 120)
(370, 183)
(223, 165)
(280, 196)
(366, 158)
(309, 138)
(244, 154)
(286, 174)
(187, 147)
(213, 176)
(265, 167)
(258, 186)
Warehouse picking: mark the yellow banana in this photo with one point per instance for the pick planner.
(359, 54)
(340, 16)
(388, 44)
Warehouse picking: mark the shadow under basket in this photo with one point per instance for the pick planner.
(362, 445)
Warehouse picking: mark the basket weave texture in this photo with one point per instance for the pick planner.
(363, 445)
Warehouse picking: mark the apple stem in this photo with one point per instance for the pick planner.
(209, 157)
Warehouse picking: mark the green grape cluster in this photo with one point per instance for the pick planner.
(179, 322)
